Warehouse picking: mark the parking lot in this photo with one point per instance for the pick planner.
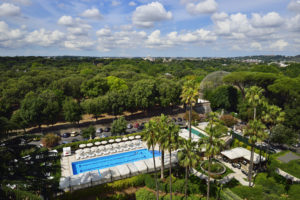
(134, 129)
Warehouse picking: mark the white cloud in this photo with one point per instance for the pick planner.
(44, 38)
(66, 21)
(294, 23)
(146, 15)
(192, 36)
(115, 3)
(78, 44)
(103, 32)
(107, 39)
(7, 33)
(132, 3)
(272, 19)
(74, 25)
(294, 5)
(239, 27)
(203, 7)
(92, 13)
(7, 9)
(256, 45)
(279, 45)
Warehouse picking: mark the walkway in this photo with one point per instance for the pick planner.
(287, 175)
(238, 174)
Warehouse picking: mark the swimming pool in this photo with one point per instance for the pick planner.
(112, 160)
(196, 132)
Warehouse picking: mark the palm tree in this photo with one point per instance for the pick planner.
(189, 96)
(272, 116)
(256, 131)
(151, 140)
(188, 157)
(212, 144)
(168, 140)
(254, 97)
(162, 141)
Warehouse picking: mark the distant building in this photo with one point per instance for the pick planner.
(149, 58)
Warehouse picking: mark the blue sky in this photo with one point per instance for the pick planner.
(189, 28)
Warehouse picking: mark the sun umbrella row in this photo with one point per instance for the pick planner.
(107, 149)
(109, 141)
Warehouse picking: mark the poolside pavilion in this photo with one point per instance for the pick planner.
(238, 154)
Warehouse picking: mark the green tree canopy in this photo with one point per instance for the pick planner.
(119, 126)
(116, 84)
(94, 87)
(223, 97)
(143, 93)
(72, 110)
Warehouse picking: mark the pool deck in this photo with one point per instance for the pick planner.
(69, 181)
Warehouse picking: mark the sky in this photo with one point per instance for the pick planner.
(165, 28)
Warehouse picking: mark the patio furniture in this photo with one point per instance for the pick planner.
(104, 142)
(97, 143)
(118, 140)
(111, 141)
(138, 137)
(82, 145)
(125, 138)
(89, 144)
(131, 137)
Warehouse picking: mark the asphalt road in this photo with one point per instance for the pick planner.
(103, 126)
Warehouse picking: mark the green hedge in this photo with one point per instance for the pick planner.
(227, 194)
(177, 186)
(143, 194)
(104, 189)
(19, 194)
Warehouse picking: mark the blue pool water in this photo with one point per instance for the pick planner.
(112, 160)
(194, 131)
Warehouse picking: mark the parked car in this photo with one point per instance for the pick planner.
(75, 140)
(65, 142)
(74, 133)
(236, 165)
(136, 125)
(99, 130)
(129, 126)
(107, 129)
(179, 119)
(66, 135)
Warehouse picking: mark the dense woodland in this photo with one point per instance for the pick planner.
(41, 90)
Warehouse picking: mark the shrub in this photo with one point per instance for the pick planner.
(294, 192)
(195, 116)
(119, 126)
(150, 182)
(241, 144)
(50, 140)
(167, 197)
(143, 194)
(89, 132)
(229, 120)
(18, 194)
(179, 186)
(129, 182)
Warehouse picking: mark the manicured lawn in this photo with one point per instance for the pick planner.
(265, 188)
(228, 171)
(292, 167)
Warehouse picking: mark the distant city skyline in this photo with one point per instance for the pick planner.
(141, 28)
